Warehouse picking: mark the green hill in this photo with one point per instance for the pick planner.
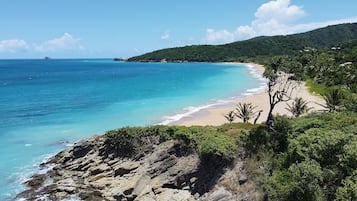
(260, 47)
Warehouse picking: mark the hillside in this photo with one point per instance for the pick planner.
(264, 46)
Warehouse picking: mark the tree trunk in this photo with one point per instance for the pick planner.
(270, 114)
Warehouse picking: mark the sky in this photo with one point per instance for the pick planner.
(125, 28)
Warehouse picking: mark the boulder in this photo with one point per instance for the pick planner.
(81, 148)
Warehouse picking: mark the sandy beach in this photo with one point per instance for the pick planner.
(214, 116)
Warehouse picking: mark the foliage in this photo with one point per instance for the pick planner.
(348, 190)
(333, 99)
(257, 48)
(245, 111)
(350, 103)
(230, 116)
(298, 107)
(208, 141)
(279, 133)
(218, 145)
(319, 159)
(299, 182)
(313, 87)
(127, 141)
(256, 139)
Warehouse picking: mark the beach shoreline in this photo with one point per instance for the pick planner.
(214, 116)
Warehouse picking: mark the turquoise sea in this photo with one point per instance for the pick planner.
(46, 105)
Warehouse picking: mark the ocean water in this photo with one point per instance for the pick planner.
(46, 105)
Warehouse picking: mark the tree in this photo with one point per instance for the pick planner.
(298, 107)
(280, 85)
(230, 116)
(245, 111)
(333, 99)
(258, 115)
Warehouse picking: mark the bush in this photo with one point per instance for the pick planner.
(281, 129)
(256, 139)
(348, 190)
(208, 141)
(299, 182)
(216, 145)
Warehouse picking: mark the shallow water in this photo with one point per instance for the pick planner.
(46, 105)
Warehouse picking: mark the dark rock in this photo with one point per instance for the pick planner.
(91, 195)
(36, 181)
(242, 179)
(81, 148)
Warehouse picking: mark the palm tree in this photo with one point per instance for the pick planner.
(333, 99)
(298, 107)
(245, 111)
(230, 116)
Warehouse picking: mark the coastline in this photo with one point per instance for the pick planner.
(213, 116)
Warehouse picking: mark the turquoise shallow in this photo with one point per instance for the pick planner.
(46, 105)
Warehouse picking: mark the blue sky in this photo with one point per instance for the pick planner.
(113, 28)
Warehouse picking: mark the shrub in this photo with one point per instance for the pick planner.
(299, 182)
(256, 139)
(280, 131)
(217, 145)
(348, 190)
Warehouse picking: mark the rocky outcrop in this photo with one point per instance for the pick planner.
(162, 171)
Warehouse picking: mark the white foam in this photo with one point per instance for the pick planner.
(254, 72)
(188, 111)
(191, 110)
(28, 145)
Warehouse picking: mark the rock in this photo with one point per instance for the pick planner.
(125, 168)
(164, 171)
(174, 194)
(36, 180)
(99, 169)
(81, 148)
(220, 194)
(242, 179)
(67, 189)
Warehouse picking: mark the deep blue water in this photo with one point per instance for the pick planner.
(47, 104)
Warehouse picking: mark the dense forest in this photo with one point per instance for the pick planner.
(313, 157)
(257, 48)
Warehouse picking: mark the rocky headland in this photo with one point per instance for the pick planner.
(162, 170)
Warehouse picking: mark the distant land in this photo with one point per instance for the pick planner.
(257, 48)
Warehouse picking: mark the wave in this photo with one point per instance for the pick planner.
(188, 111)
(254, 72)
(192, 110)
(25, 173)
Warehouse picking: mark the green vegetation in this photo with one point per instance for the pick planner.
(312, 158)
(230, 116)
(298, 107)
(303, 158)
(245, 111)
(306, 158)
(207, 141)
(257, 49)
(315, 88)
(334, 99)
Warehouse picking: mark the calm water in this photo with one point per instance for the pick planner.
(46, 105)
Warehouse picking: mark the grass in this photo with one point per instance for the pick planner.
(319, 89)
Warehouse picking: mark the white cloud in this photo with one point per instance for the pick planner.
(279, 11)
(65, 42)
(276, 17)
(13, 45)
(219, 36)
(165, 35)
